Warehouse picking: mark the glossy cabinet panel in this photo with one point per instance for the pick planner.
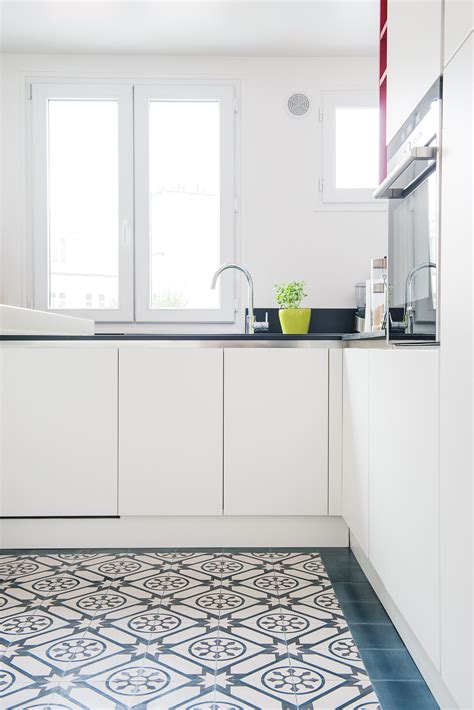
(458, 23)
(414, 56)
(355, 426)
(404, 485)
(276, 432)
(456, 376)
(171, 417)
(58, 431)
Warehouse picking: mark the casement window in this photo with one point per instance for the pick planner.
(133, 200)
(349, 151)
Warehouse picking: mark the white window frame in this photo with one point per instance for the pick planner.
(329, 197)
(163, 91)
(133, 239)
(41, 93)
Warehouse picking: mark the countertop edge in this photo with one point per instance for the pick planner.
(258, 337)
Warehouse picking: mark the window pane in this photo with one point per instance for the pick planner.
(83, 203)
(184, 203)
(356, 148)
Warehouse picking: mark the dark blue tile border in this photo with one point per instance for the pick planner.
(345, 573)
(378, 637)
(365, 612)
(354, 592)
(396, 678)
(393, 664)
(405, 695)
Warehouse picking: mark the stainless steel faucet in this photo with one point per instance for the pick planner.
(250, 320)
(409, 307)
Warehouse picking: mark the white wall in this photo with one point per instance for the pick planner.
(280, 235)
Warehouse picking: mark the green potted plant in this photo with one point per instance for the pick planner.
(293, 318)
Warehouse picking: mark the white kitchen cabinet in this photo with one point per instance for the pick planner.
(414, 56)
(58, 431)
(456, 376)
(171, 420)
(404, 485)
(355, 449)
(458, 23)
(276, 431)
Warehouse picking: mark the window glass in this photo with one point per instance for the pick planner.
(184, 183)
(356, 147)
(83, 198)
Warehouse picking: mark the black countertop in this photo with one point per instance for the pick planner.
(178, 336)
(272, 337)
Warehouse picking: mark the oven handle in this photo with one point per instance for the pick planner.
(385, 189)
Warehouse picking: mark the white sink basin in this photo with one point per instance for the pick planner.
(25, 321)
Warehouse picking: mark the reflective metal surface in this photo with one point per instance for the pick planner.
(250, 319)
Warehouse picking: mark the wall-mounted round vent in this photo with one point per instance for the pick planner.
(298, 105)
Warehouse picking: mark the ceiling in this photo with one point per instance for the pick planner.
(183, 27)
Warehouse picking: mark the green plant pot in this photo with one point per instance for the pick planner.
(295, 321)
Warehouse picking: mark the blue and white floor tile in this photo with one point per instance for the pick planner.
(176, 630)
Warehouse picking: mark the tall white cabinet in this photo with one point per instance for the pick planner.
(58, 425)
(391, 478)
(457, 331)
(404, 485)
(276, 431)
(171, 423)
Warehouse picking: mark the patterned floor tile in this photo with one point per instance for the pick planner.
(36, 698)
(77, 652)
(7, 602)
(270, 685)
(14, 568)
(190, 697)
(217, 650)
(133, 684)
(215, 603)
(176, 630)
(338, 646)
(57, 585)
(22, 628)
(279, 624)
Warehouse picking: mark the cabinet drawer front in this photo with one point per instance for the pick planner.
(59, 431)
(171, 431)
(276, 432)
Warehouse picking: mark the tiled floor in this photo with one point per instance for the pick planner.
(211, 630)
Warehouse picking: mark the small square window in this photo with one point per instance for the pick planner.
(349, 152)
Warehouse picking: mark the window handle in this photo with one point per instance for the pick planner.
(125, 231)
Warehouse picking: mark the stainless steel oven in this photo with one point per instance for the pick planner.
(412, 188)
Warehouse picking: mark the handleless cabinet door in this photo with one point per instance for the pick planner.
(355, 447)
(276, 431)
(58, 431)
(458, 23)
(404, 485)
(170, 431)
(414, 56)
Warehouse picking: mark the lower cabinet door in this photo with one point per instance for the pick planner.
(170, 431)
(355, 445)
(276, 431)
(58, 431)
(404, 485)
